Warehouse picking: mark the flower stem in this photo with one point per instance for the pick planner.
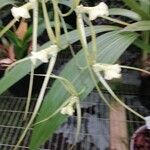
(81, 30)
(101, 79)
(115, 20)
(47, 23)
(34, 49)
(9, 25)
(39, 100)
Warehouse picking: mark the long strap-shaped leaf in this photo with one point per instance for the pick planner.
(125, 12)
(110, 47)
(145, 5)
(4, 3)
(24, 68)
(137, 8)
(138, 26)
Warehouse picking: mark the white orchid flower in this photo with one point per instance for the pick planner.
(110, 71)
(18, 12)
(22, 11)
(44, 54)
(100, 10)
(68, 109)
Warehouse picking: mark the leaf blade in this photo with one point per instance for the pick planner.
(125, 12)
(79, 80)
(10, 78)
(138, 26)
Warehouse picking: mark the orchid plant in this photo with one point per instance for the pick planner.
(94, 63)
(16, 44)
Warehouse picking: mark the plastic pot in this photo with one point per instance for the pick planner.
(140, 140)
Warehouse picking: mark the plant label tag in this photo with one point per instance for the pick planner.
(147, 120)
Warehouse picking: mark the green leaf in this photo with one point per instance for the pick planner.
(12, 37)
(110, 47)
(4, 3)
(23, 68)
(75, 37)
(142, 45)
(138, 26)
(14, 75)
(65, 2)
(145, 5)
(137, 8)
(125, 12)
(28, 35)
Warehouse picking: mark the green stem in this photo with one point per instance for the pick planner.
(57, 20)
(134, 68)
(9, 25)
(80, 26)
(67, 39)
(94, 46)
(47, 23)
(115, 20)
(69, 87)
(101, 79)
(53, 114)
(34, 49)
(78, 107)
(15, 63)
(39, 100)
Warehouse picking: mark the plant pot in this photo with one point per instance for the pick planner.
(21, 87)
(140, 140)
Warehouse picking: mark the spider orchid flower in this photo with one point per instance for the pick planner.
(22, 11)
(44, 54)
(94, 12)
(68, 109)
(110, 71)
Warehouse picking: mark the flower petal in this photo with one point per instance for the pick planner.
(68, 110)
(18, 12)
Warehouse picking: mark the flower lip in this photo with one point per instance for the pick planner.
(110, 71)
(18, 12)
(68, 110)
(44, 54)
(97, 11)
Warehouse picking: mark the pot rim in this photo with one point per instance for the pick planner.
(143, 127)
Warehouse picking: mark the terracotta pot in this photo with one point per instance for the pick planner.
(140, 140)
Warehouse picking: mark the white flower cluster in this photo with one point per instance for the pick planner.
(68, 109)
(110, 71)
(22, 11)
(44, 54)
(100, 10)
